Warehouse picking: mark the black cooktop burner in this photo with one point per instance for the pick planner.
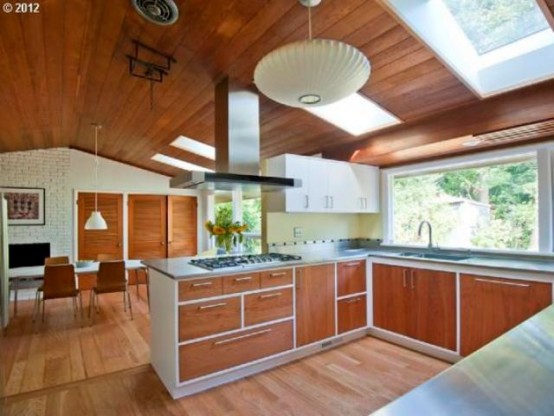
(225, 262)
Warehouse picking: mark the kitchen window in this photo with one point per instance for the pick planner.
(484, 204)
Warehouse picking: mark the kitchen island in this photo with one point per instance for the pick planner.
(212, 327)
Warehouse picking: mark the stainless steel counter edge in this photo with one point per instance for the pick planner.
(178, 268)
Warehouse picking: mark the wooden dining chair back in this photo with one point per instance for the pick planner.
(111, 278)
(59, 282)
(50, 261)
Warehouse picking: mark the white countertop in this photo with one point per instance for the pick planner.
(38, 271)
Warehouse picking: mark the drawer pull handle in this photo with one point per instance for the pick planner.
(356, 264)
(271, 295)
(243, 279)
(277, 274)
(354, 300)
(215, 305)
(252, 334)
(502, 283)
(202, 284)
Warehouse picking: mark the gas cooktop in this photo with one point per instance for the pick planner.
(239, 262)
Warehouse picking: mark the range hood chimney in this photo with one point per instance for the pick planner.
(237, 146)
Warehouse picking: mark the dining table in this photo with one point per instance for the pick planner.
(19, 275)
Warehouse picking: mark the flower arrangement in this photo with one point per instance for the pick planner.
(226, 235)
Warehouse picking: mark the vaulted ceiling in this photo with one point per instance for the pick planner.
(66, 66)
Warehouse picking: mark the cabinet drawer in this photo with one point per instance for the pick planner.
(352, 313)
(279, 277)
(241, 282)
(219, 353)
(200, 288)
(351, 277)
(207, 318)
(267, 306)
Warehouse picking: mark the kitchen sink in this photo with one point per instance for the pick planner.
(436, 256)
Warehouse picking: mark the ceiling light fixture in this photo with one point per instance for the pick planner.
(96, 221)
(311, 72)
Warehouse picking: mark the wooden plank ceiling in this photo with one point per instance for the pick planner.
(66, 67)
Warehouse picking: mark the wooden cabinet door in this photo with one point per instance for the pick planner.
(434, 307)
(351, 277)
(182, 226)
(315, 303)
(94, 242)
(392, 299)
(147, 226)
(492, 306)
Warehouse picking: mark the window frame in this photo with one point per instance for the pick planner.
(544, 153)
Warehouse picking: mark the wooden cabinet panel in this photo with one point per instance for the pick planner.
(352, 313)
(492, 306)
(418, 303)
(95, 242)
(207, 318)
(267, 306)
(434, 307)
(392, 299)
(205, 357)
(200, 288)
(278, 277)
(315, 303)
(182, 228)
(147, 226)
(241, 282)
(351, 277)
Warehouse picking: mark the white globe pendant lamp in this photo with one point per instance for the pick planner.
(96, 221)
(312, 72)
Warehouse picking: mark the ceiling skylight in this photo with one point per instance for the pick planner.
(492, 45)
(489, 25)
(194, 146)
(355, 114)
(178, 163)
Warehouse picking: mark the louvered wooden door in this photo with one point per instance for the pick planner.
(147, 226)
(181, 226)
(94, 242)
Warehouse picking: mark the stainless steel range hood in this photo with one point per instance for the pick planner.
(237, 147)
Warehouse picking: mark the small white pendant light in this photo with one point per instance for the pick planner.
(96, 221)
(312, 72)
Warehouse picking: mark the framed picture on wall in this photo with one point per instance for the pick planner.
(25, 205)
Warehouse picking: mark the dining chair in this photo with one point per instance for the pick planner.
(49, 261)
(111, 278)
(59, 282)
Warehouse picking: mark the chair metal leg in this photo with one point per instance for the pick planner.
(90, 303)
(124, 303)
(43, 303)
(81, 306)
(129, 299)
(93, 301)
(35, 307)
(74, 301)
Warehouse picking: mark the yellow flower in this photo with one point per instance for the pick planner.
(217, 230)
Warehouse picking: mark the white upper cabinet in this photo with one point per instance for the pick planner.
(327, 186)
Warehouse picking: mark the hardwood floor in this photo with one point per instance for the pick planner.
(67, 370)
(66, 349)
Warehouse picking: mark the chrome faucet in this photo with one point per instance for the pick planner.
(430, 245)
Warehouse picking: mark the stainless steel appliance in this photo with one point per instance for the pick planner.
(245, 261)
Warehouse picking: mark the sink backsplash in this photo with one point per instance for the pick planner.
(322, 246)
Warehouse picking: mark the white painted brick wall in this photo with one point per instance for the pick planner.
(47, 169)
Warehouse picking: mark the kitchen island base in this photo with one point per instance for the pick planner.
(186, 366)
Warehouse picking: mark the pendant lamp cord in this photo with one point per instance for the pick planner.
(310, 19)
(96, 163)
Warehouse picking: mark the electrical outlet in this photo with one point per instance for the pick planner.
(297, 232)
